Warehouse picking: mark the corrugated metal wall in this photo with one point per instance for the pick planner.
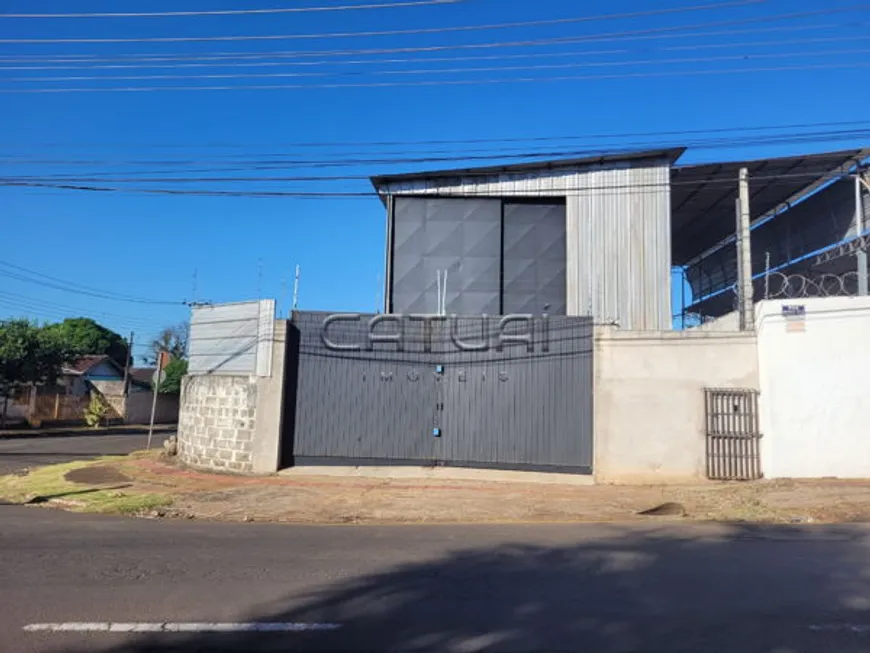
(525, 406)
(617, 226)
(619, 248)
(232, 338)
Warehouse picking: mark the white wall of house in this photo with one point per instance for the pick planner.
(814, 396)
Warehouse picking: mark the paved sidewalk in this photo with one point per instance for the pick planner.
(311, 498)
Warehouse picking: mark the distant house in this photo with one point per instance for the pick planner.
(79, 380)
(141, 376)
(79, 376)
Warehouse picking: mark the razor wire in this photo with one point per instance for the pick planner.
(781, 285)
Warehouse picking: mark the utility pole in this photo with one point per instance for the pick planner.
(155, 382)
(296, 290)
(127, 366)
(745, 299)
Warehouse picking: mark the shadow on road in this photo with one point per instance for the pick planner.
(63, 495)
(654, 590)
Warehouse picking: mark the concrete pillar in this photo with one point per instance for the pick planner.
(745, 289)
(269, 420)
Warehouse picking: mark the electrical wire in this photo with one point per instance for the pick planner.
(787, 139)
(475, 141)
(634, 36)
(426, 60)
(462, 28)
(499, 155)
(28, 302)
(435, 83)
(60, 284)
(239, 12)
(443, 71)
(621, 189)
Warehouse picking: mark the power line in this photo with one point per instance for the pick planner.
(425, 60)
(446, 82)
(239, 12)
(474, 141)
(501, 154)
(441, 30)
(634, 35)
(608, 189)
(60, 284)
(711, 144)
(30, 308)
(27, 301)
(442, 71)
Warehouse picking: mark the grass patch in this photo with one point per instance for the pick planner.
(47, 485)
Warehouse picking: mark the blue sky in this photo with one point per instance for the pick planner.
(150, 245)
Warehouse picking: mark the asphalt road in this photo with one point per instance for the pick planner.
(17, 453)
(667, 586)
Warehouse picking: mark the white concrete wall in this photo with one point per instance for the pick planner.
(649, 399)
(814, 394)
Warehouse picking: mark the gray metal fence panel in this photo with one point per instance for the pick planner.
(431, 401)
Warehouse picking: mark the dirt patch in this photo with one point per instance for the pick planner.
(96, 475)
(154, 485)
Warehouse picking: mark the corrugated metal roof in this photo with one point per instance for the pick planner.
(671, 154)
(703, 196)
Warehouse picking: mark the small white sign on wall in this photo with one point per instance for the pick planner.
(795, 317)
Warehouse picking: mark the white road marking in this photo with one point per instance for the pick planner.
(171, 627)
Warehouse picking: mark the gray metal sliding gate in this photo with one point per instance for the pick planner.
(503, 392)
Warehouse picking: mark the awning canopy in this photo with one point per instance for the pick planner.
(703, 196)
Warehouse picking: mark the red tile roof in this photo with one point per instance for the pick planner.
(83, 364)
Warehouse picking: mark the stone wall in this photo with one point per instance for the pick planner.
(217, 422)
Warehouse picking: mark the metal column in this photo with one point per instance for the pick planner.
(745, 299)
(861, 254)
(388, 263)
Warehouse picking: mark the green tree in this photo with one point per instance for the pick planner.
(30, 353)
(174, 371)
(85, 336)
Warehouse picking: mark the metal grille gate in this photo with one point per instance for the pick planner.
(733, 434)
(504, 392)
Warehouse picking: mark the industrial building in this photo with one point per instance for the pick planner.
(528, 325)
(600, 236)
